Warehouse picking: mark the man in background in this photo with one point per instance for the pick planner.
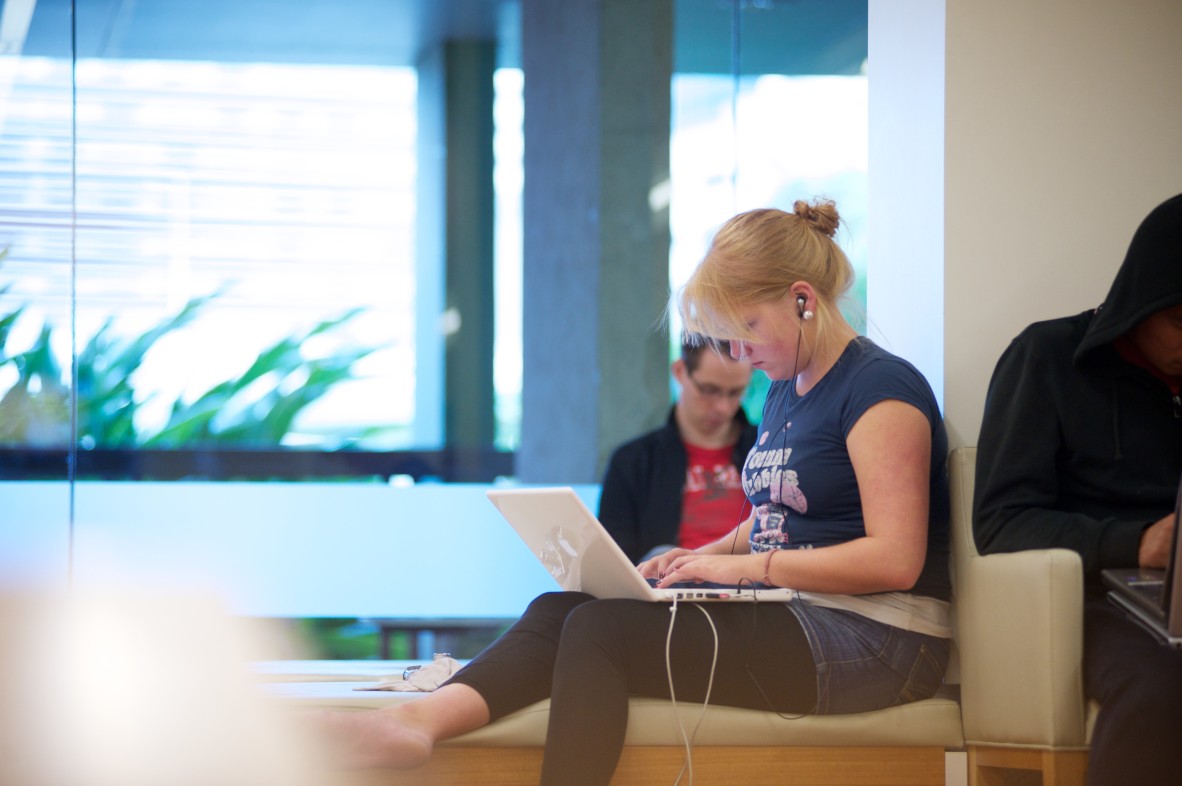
(679, 485)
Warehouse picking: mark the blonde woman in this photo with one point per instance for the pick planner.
(849, 506)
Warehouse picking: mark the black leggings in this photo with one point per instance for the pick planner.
(588, 656)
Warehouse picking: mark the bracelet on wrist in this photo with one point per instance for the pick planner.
(767, 566)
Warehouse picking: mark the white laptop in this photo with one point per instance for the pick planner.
(1153, 597)
(580, 554)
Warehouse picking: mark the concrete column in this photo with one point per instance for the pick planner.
(596, 230)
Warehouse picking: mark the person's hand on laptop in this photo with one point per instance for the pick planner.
(726, 569)
(1156, 541)
(656, 567)
(725, 561)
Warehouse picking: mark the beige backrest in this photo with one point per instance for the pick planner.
(962, 463)
(1019, 631)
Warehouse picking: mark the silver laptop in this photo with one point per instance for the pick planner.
(1153, 597)
(580, 554)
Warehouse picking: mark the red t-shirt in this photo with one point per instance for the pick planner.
(712, 502)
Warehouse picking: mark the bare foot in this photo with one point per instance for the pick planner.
(374, 738)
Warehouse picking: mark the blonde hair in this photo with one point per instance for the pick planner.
(756, 257)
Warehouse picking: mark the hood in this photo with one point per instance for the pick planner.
(1149, 279)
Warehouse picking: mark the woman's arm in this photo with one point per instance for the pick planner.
(890, 447)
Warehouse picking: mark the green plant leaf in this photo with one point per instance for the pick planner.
(107, 401)
(256, 408)
(6, 323)
(38, 362)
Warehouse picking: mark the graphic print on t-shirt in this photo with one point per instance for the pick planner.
(712, 500)
(765, 470)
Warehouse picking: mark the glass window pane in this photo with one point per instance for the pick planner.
(36, 242)
(35, 310)
(222, 210)
(255, 221)
(769, 106)
(508, 178)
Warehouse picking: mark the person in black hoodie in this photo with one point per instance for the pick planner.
(679, 484)
(1081, 448)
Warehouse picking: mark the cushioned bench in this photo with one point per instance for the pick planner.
(1018, 634)
(901, 745)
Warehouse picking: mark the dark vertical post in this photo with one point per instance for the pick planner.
(468, 319)
(455, 243)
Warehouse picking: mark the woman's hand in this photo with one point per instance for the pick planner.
(718, 568)
(731, 543)
(656, 567)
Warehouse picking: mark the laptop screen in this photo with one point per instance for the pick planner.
(1173, 590)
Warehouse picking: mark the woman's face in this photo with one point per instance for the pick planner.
(773, 350)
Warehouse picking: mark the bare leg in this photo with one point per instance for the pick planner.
(402, 735)
(513, 672)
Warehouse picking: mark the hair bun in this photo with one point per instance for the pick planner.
(821, 215)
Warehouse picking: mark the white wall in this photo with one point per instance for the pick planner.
(905, 280)
(1061, 131)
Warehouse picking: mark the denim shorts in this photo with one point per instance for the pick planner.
(865, 665)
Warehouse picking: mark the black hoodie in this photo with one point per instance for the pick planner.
(1079, 448)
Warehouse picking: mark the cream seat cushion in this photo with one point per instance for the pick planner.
(653, 722)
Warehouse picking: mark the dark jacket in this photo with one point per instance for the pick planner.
(1080, 449)
(640, 504)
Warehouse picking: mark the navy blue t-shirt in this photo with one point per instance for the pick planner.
(799, 477)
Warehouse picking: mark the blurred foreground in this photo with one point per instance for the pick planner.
(141, 689)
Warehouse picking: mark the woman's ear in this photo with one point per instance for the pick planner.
(803, 297)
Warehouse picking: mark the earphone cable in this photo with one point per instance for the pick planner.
(689, 760)
(688, 739)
